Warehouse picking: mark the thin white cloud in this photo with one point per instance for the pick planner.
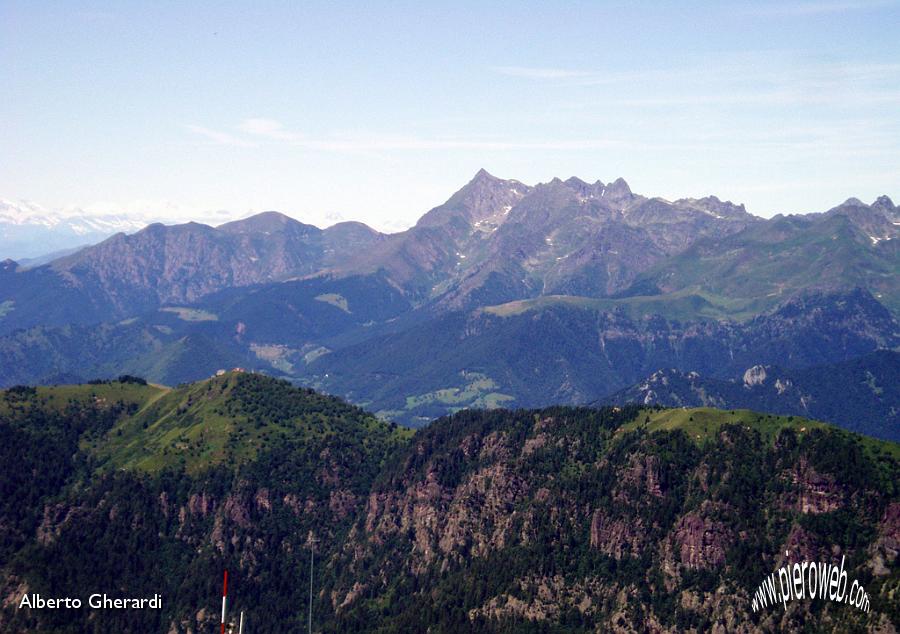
(218, 137)
(726, 67)
(384, 143)
(861, 139)
(268, 128)
(539, 73)
(749, 80)
(806, 9)
(788, 98)
(737, 81)
(768, 69)
(276, 132)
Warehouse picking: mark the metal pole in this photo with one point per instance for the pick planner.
(224, 599)
(241, 626)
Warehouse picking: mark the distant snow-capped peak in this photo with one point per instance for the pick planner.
(31, 231)
(26, 213)
(106, 218)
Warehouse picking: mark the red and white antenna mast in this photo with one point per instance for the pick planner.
(224, 600)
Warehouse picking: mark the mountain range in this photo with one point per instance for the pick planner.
(562, 292)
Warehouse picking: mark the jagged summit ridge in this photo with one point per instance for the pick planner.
(493, 241)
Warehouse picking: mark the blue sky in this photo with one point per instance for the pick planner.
(379, 111)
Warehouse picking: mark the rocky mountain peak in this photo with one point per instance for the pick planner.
(484, 199)
(584, 189)
(576, 182)
(352, 225)
(484, 182)
(878, 221)
(618, 190)
(718, 208)
(265, 222)
(483, 176)
(885, 205)
(351, 235)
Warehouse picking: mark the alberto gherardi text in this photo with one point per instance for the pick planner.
(98, 601)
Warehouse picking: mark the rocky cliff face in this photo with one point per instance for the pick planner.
(543, 517)
(887, 545)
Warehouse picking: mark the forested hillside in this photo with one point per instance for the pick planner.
(138, 490)
(561, 519)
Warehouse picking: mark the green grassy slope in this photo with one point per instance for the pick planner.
(228, 419)
(58, 397)
(683, 305)
(766, 263)
(702, 425)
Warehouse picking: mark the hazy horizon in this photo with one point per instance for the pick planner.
(216, 218)
(331, 113)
